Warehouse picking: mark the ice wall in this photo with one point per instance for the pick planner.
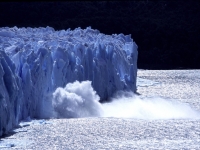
(35, 61)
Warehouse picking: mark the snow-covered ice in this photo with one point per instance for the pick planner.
(34, 62)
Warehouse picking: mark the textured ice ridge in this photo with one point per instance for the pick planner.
(35, 61)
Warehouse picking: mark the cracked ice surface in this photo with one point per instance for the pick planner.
(35, 61)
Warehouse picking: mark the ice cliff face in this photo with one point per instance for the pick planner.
(36, 61)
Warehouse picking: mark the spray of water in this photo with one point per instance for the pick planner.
(78, 99)
(128, 105)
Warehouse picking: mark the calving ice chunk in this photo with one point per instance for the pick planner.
(34, 62)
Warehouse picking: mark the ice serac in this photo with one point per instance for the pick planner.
(34, 62)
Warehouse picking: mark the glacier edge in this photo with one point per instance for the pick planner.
(34, 62)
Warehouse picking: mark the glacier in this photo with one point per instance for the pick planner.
(35, 62)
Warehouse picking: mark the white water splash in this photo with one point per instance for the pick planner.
(78, 99)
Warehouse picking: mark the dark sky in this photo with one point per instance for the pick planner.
(167, 32)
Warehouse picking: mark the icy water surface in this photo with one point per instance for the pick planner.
(108, 133)
(180, 86)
